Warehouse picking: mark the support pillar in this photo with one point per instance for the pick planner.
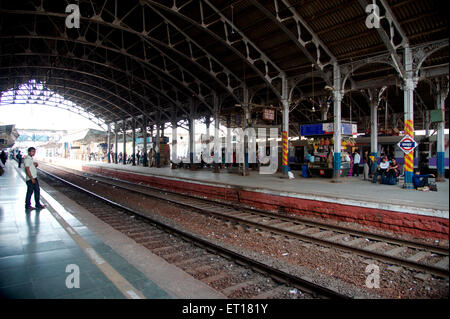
(124, 154)
(144, 136)
(323, 109)
(228, 143)
(134, 142)
(157, 145)
(442, 92)
(408, 93)
(152, 161)
(174, 145)
(338, 95)
(373, 127)
(116, 142)
(245, 165)
(285, 132)
(108, 143)
(191, 141)
(323, 113)
(217, 139)
(208, 145)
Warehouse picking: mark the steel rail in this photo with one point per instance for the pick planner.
(438, 271)
(337, 228)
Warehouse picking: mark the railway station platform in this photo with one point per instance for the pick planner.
(385, 207)
(43, 253)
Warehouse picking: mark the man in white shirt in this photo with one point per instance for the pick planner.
(356, 160)
(381, 170)
(32, 181)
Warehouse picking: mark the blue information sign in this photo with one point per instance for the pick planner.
(326, 129)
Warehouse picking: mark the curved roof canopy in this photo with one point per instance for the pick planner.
(172, 60)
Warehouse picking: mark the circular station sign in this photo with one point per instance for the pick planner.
(407, 144)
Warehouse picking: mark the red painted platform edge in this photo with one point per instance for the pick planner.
(396, 222)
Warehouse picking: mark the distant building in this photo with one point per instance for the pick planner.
(86, 144)
(8, 136)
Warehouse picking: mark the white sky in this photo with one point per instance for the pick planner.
(38, 116)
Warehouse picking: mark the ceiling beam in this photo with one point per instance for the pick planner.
(388, 38)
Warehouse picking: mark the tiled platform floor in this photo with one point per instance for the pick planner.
(35, 251)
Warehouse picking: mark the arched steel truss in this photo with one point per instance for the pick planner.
(25, 95)
(136, 60)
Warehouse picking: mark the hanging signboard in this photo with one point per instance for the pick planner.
(162, 140)
(268, 114)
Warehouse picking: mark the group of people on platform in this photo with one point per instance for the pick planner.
(151, 158)
(4, 158)
(387, 169)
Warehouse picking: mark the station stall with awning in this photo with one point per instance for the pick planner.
(82, 144)
(321, 141)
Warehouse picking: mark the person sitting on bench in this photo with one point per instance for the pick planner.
(381, 170)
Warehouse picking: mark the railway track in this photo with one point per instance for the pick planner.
(243, 277)
(409, 254)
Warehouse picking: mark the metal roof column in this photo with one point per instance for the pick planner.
(134, 142)
(116, 141)
(338, 95)
(124, 154)
(191, 140)
(217, 139)
(144, 136)
(108, 142)
(285, 133)
(245, 165)
(228, 143)
(151, 157)
(442, 92)
(206, 156)
(373, 123)
(324, 108)
(191, 133)
(408, 92)
(174, 159)
(158, 143)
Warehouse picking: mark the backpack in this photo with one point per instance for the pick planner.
(389, 180)
(433, 186)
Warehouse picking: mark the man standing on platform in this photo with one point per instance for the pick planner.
(138, 156)
(19, 158)
(356, 160)
(32, 181)
(3, 157)
(2, 168)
